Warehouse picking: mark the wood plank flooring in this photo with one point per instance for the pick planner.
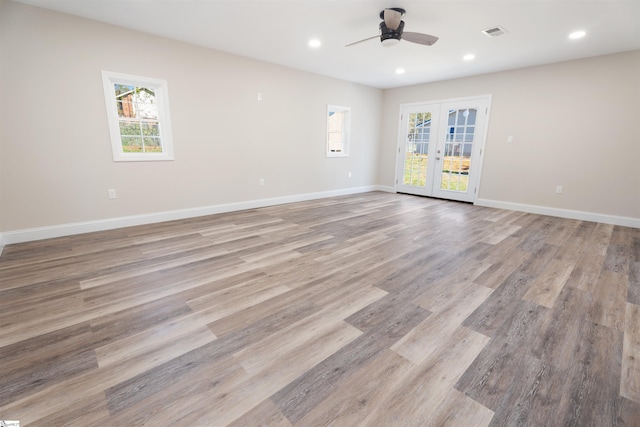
(374, 309)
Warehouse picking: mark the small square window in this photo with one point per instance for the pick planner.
(338, 127)
(138, 113)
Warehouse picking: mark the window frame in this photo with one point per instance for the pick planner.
(345, 131)
(160, 87)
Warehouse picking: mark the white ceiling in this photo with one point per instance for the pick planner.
(278, 31)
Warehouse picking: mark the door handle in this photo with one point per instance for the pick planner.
(437, 158)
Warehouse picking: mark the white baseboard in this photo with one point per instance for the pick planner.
(562, 213)
(40, 233)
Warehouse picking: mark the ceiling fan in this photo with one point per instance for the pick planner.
(392, 30)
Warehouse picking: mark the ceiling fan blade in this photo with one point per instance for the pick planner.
(392, 18)
(363, 40)
(420, 38)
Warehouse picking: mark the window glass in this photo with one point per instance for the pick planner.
(338, 127)
(138, 113)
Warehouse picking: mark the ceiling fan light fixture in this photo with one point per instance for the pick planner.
(390, 42)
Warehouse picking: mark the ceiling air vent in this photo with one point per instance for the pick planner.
(494, 31)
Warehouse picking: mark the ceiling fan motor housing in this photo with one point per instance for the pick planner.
(393, 36)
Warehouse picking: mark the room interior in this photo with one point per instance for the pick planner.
(252, 190)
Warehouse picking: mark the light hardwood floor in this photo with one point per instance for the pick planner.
(374, 309)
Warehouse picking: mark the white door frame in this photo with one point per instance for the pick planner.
(479, 164)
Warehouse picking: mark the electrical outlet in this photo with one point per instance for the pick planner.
(509, 140)
(559, 189)
(349, 174)
(112, 193)
(261, 182)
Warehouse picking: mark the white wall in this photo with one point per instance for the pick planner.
(574, 124)
(56, 163)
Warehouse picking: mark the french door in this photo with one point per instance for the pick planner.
(440, 148)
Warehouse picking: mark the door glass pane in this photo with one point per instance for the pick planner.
(471, 119)
(457, 150)
(452, 117)
(416, 148)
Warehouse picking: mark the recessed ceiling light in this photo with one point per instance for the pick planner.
(468, 57)
(315, 43)
(577, 35)
(400, 70)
